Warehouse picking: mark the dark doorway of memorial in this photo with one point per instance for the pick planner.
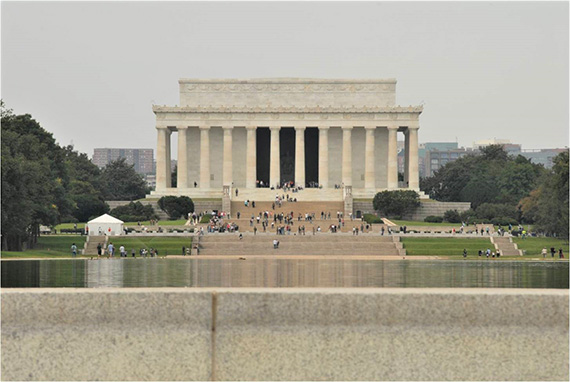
(262, 155)
(287, 151)
(312, 157)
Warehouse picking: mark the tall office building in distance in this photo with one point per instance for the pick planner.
(141, 159)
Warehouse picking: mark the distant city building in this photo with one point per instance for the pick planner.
(141, 159)
(542, 156)
(511, 148)
(150, 180)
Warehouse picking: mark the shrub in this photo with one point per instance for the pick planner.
(134, 211)
(372, 219)
(206, 218)
(396, 203)
(176, 206)
(489, 211)
(452, 216)
(433, 219)
(504, 221)
(468, 216)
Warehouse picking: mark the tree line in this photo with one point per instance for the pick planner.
(44, 183)
(506, 188)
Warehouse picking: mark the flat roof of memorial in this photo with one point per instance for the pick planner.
(289, 80)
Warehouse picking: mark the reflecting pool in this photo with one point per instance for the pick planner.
(280, 273)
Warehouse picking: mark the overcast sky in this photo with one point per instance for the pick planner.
(89, 72)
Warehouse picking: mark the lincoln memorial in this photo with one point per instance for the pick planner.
(257, 134)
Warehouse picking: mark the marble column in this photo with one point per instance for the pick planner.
(228, 156)
(347, 155)
(162, 161)
(204, 157)
(413, 176)
(369, 178)
(251, 159)
(324, 156)
(182, 180)
(274, 169)
(300, 156)
(406, 156)
(392, 157)
(168, 158)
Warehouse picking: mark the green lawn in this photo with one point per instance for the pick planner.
(60, 246)
(165, 245)
(51, 246)
(411, 223)
(533, 245)
(443, 246)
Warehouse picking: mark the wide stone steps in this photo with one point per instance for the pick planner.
(506, 246)
(288, 207)
(91, 244)
(268, 195)
(244, 225)
(321, 244)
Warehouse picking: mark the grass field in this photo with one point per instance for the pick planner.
(533, 245)
(411, 223)
(51, 246)
(165, 245)
(442, 246)
(60, 246)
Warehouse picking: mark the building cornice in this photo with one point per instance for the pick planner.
(285, 80)
(289, 110)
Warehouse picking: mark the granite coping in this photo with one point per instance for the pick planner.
(284, 334)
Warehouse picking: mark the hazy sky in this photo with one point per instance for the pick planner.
(90, 71)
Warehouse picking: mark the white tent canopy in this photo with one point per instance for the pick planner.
(105, 225)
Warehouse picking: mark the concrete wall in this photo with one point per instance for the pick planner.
(284, 334)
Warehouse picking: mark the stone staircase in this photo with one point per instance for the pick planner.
(287, 207)
(305, 195)
(91, 243)
(506, 246)
(244, 225)
(290, 245)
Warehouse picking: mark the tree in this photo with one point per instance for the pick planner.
(85, 186)
(491, 176)
(120, 181)
(548, 204)
(134, 211)
(33, 180)
(396, 203)
(176, 206)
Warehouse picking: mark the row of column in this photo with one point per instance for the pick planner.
(163, 179)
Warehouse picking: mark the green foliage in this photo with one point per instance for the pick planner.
(372, 219)
(121, 182)
(548, 204)
(452, 216)
(396, 203)
(134, 211)
(176, 206)
(489, 211)
(503, 221)
(206, 218)
(489, 177)
(433, 219)
(34, 180)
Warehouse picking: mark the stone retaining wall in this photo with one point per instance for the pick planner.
(284, 334)
(426, 208)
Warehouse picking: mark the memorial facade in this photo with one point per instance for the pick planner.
(257, 133)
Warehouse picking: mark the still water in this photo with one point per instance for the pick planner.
(195, 272)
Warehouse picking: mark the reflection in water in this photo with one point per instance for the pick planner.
(196, 272)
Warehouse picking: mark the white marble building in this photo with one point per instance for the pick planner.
(239, 133)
